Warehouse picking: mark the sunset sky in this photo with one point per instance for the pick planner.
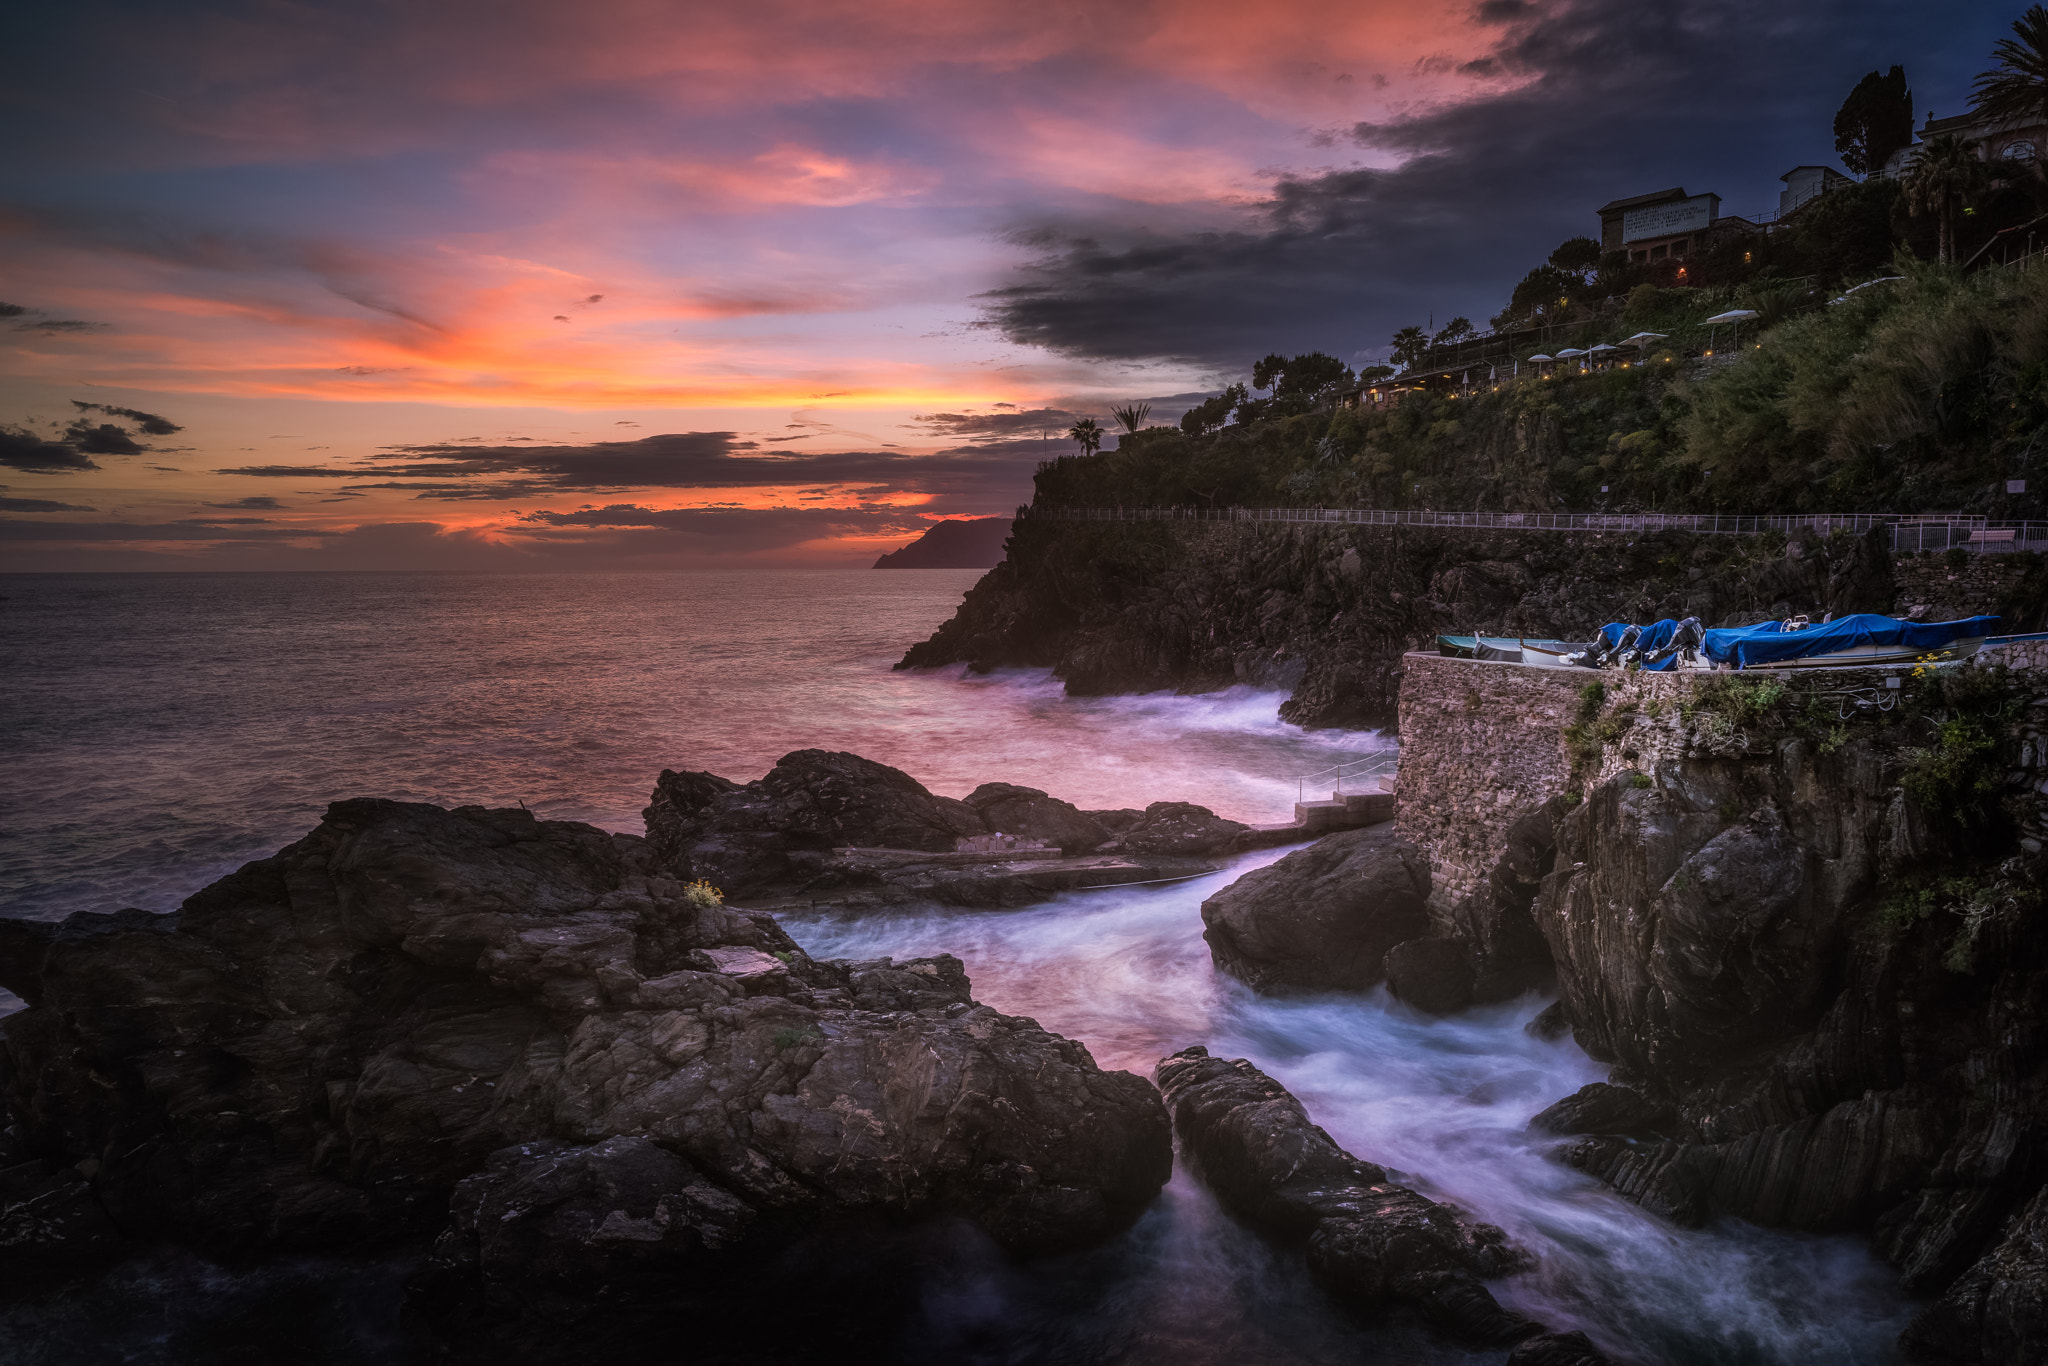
(617, 283)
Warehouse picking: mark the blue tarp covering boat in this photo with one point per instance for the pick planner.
(1769, 643)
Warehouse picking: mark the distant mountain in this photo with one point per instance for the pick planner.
(972, 544)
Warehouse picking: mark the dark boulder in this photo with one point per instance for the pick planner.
(1030, 814)
(1178, 828)
(1433, 975)
(1602, 1108)
(318, 1051)
(776, 827)
(1369, 1241)
(1557, 1349)
(1997, 1311)
(1324, 917)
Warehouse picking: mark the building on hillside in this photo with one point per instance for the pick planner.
(1664, 225)
(1804, 184)
(2019, 141)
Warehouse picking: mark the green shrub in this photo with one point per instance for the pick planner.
(796, 1037)
(1641, 780)
(703, 895)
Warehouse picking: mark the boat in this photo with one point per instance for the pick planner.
(1860, 640)
(1503, 649)
(1550, 654)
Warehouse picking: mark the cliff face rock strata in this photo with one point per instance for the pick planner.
(1369, 1242)
(412, 1004)
(1322, 918)
(784, 836)
(1326, 611)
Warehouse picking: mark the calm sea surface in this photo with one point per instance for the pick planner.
(160, 730)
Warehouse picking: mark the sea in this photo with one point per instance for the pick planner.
(161, 729)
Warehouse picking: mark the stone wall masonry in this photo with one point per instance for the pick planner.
(1483, 742)
(1929, 588)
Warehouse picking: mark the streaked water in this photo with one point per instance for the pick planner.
(162, 729)
(1443, 1103)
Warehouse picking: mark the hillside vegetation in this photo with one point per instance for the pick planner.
(1923, 394)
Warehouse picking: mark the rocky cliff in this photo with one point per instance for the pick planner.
(1326, 612)
(1802, 919)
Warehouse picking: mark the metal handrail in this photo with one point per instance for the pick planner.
(1922, 531)
(1376, 765)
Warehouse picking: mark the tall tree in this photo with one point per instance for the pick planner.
(1943, 178)
(1088, 432)
(2017, 88)
(1409, 344)
(1578, 256)
(1875, 121)
(1456, 330)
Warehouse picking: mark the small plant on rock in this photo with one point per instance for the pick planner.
(703, 895)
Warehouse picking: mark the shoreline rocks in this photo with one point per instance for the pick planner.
(825, 827)
(1323, 917)
(414, 1010)
(1369, 1241)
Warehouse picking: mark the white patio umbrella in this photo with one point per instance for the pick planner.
(1736, 316)
(1641, 342)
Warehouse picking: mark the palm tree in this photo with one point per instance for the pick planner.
(1941, 179)
(1089, 433)
(1131, 416)
(2017, 88)
(1409, 344)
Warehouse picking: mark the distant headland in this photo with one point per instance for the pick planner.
(972, 543)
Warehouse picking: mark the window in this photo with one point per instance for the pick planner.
(2018, 151)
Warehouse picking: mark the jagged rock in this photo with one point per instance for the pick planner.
(1549, 1023)
(1997, 1312)
(1369, 1241)
(1178, 828)
(1601, 1108)
(1509, 954)
(1433, 975)
(1028, 813)
(1322, 918)
(1557, 1349)
(317, 1050)
(783, 826)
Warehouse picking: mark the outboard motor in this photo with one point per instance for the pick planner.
(1685, 642)
(1619, 652)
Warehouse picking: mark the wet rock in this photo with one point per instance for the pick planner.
(779, 826)
(1324, 917)
(315, 1052)
(1602, 1108)
(1030, 814)
(1508, 952)
(1997, 1311)
(1433, 975)
(1549, 1023)
(1368, 1240)
(1178, 828)
(1557, 1349)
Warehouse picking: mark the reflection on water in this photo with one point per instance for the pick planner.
(1443, 1102)
(163, 729)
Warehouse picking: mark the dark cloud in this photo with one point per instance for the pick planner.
(1610, 97)
(24, 450)
(261, 502)
(291, 472)
(700, 460)
(970, 426)
(8, 310)
(40, 505)
(103, 439)
(223, 521)
(151, 423)
(58, 325)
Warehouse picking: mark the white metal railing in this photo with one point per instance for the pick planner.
(1371, 767)
(1908, 532)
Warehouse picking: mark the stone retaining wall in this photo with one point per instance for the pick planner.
(1928, 588)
